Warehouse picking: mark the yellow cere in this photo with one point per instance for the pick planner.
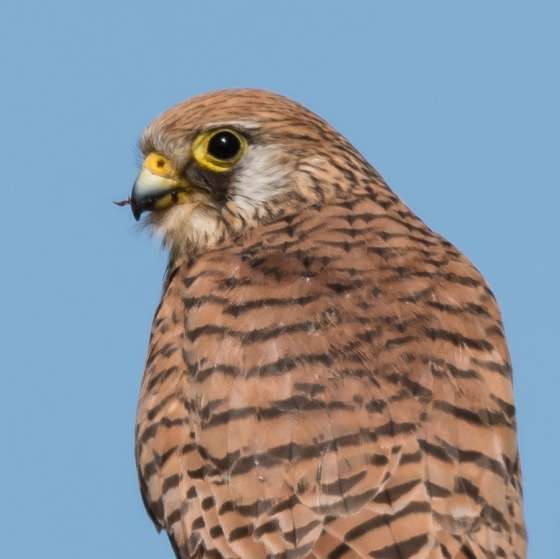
(160, 166)
(203, 158)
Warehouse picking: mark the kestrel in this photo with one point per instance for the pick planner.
(326, 377)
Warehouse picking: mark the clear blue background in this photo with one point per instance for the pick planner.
(456, 104)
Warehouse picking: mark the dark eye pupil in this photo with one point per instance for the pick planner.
(224, 145)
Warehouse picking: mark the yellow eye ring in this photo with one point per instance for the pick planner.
(219, 150)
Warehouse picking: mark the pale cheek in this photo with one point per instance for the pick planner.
(262, 177)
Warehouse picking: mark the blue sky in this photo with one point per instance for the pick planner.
(456, 105)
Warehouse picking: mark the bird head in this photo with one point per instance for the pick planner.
(219, 164)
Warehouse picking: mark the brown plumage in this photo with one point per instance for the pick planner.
(326, 378)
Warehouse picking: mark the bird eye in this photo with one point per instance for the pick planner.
(224, 145)
(219, 150)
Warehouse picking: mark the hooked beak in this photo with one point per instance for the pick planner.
(158, 186)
